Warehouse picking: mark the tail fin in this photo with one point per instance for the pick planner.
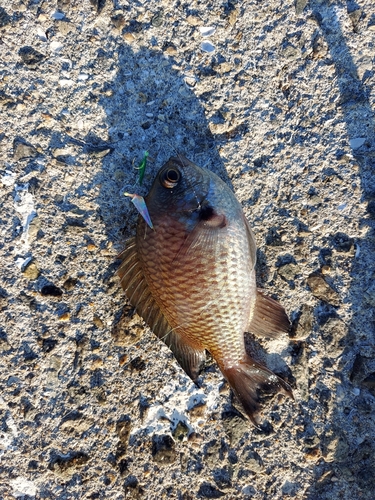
(247, 379)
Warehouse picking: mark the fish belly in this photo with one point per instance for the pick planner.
(204, 293)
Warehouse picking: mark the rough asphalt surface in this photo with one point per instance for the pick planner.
(281, 106)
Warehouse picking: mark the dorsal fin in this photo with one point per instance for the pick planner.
(137, 290)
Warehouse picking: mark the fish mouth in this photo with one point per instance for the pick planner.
(210, 217)
(207, 215)
(196, 202)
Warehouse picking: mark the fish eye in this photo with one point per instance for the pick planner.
(170, 178)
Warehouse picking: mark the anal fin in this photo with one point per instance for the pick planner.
(267, 318)
(190, 357)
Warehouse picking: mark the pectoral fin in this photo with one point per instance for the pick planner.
(267, 317)
(133, 281)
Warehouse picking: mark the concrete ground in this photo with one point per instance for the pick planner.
(278, 100)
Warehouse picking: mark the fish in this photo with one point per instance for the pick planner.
(192, 280)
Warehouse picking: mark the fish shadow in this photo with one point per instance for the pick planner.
(151, 108)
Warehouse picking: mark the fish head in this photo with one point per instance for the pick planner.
(180, 187)
(193, 196)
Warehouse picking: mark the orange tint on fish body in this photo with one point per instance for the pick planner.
(196, 290)
(196, 281)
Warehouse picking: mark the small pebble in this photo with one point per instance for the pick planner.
(68, 150)
(118, 20)
(313, 454)
(23, 150)
(170, 50)
(65, 82)
(64, 317)
(194, 20)
(208, 47)
(357, 142)
(31, 272)
(325, 269)
(57, 16)
(41, 34)
(9, 178)
(30, 56)
(123, 359)
(300, 5)
(233, 16)
(97, 363)
(102, 153)
(223, 67)
(289, 271)
(129, 37)
(355, 16)
(207, 30)
(158, 19)
(56, 47)
(70, 283)
(65, 27)
(320, 289)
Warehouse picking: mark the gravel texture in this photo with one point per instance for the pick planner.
(279, 101)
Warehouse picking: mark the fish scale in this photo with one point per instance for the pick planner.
(187, 292)
(192, 278)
